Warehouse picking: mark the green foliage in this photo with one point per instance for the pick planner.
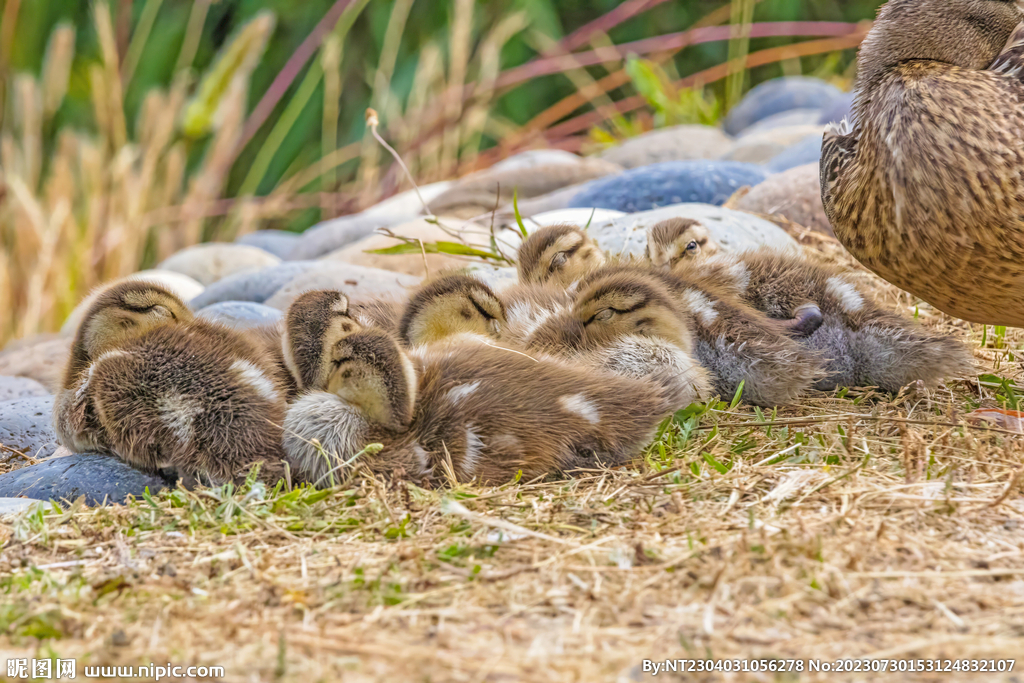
(672, 106)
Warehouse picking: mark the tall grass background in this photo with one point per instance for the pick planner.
(133, 128)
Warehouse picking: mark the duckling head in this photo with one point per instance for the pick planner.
(370, 372)
(675, 239)
(451, 305)
(124, 312)
(313, 324)
(965, 33)
(558, 253)
(628, 303)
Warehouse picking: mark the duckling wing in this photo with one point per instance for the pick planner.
(1010, 61)
(838, 149)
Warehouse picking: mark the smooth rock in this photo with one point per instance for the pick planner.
(13, 388)
(183, 286)
(795, 194)
(495, 277)
(533, 158)
(208, 263)
(785, 119)
(412, 263)
(407, 205)
(240, 315)
(12, 506)
(485, 191)
(673, 182)
(323, 238)
(838, 109)
(758, 148)
(677, 143)
(100, 478)
(778, 95)
(256, 286)
(734, 231)
(807, 151)
(26, 425)
(277, 242)
(360, 284)
(580, 217)
(42, 358)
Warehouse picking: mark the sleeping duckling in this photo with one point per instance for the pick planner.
(450, 305)
(679, 243)
(863, 343)
(733, 341)
(558, 253)
(148, 382)
(489, 411)
(925, 188)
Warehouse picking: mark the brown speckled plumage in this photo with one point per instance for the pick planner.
(926, 188)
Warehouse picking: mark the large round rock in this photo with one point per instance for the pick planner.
(760, 147)
(42, 358)
(256, 286)
(240, 315)
(13, 388)
(207, 263)
(779, 95)
(358, 283)
(100, 478)
(674, 182)
(26, 425)
(277, 242)
(795, 194)
(807, 151)
(677, 143)
(735, 231)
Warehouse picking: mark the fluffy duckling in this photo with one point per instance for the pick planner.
(863, 344)
(561, 254)
(487, 410)
(729, 339)
(450, 305)
(679, 243)
(148, 382)
(926, 188)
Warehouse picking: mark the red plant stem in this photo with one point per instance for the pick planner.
(303, 53)
(605, 23)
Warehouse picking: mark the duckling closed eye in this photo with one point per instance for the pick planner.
(557, 253)
(449, 306)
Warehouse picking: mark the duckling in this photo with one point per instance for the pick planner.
(558, 253)
(450, 305)
(489, 411)
(678, 243)
(148, 382)
(729, 339)
(925, 188)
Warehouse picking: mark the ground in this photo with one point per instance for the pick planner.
(857, 525)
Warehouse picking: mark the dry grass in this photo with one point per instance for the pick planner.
(853, 526)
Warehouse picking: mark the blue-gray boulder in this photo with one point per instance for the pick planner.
(26, 425)
(277, 242)
(807, 151)
(13, 388)
(779, 95)
(100, 478)
(240, 315)
(331, 235)
(673, 182)
(838, 109)
(256, 286)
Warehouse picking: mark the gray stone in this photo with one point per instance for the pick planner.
(13, 388)
(360, 284)
(277, 242)
(677, 143)
(323, 238)
(778, 95)
(407, 205)
(497, 278)
(838, 109)
(42, 358)
(207, 263)
(100, 478)
(795, 194)
(786, 119)
(761, 147)
(807, 151)
(26, 425)
(181, 285)
(673, 182)
(240, 315)
(735, 231)
(256, 286)
(11, 506)
(536, 157)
